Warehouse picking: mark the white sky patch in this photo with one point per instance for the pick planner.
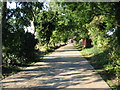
(44, 1)
(111, 32)
(11, 5)
(63, 14)
(30, 28)
(45, 4)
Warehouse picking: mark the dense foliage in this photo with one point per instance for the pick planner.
(56, 24)
(18, 45)
(101, 24)
(45, 26)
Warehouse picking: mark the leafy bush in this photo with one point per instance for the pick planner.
(20, 50)
(28, 46)
(106, 59)
(97, 32)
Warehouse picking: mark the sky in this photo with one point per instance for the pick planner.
(13, 4)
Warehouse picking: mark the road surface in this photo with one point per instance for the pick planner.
(64, 68)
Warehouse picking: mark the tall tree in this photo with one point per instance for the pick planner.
(15, 38)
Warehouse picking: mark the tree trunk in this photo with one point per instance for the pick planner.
(117, 7)
(4, 13)
(4, 9)
(3, 23)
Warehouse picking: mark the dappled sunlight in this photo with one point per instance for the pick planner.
(58, 70)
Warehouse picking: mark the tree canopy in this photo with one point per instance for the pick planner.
(56, 23)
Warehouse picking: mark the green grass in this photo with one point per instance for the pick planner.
(102, 62)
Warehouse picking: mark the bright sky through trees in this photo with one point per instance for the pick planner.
(57, 22)
(11, 5)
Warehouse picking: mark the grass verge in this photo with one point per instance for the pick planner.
(98, 57)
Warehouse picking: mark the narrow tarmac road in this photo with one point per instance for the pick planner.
(64, 68)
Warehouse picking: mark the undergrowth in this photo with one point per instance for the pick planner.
(13, 69)
(106, 61)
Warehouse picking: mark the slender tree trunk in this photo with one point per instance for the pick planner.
(54, 44)
(3, 31)
(2, 28)
(117, 7)
(34, 13)
(4, 9)
(34, 27)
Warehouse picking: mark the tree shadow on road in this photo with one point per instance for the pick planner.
(57, 73)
